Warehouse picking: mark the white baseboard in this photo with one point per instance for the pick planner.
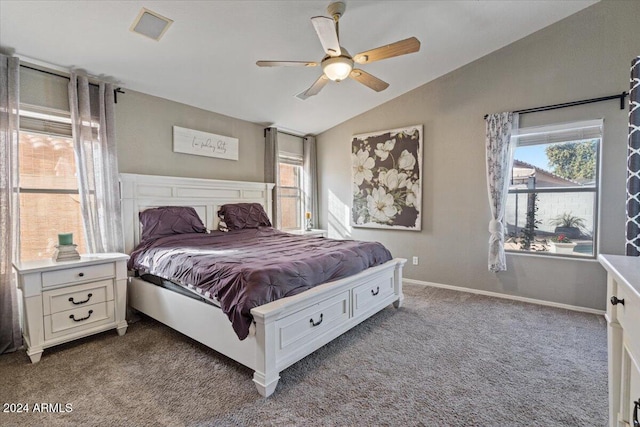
(506, 296)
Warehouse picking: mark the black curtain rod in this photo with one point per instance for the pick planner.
(286, 133)
(116, 91)
(622, 97)
(290, 134)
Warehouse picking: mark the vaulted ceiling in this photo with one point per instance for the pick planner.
(207, 57)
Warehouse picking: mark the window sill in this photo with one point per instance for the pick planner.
(314, 232)
(593, 258)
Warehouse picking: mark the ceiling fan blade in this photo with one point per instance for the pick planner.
(402, 47)
(368, 80)
(315, 87)
(287, 64)
(326, 29)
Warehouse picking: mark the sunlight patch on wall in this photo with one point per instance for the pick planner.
(338, 224)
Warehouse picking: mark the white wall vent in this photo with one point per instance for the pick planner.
(150, 24)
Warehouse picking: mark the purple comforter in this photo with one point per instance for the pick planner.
(247, 268)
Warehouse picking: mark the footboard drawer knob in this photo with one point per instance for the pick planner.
(616, 301)
(316, 323)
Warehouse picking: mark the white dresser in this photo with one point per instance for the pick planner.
(623, 333)
(63, 301)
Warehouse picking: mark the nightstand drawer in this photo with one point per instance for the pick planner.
(78, 274)
(76, 320)
(72, 297)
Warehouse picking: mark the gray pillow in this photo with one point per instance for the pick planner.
(169, 220)
(244, 215)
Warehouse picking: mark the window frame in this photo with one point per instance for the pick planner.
(59, 123)
(595, 189)
(297, 161)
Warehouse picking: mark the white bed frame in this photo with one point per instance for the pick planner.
(286, 330)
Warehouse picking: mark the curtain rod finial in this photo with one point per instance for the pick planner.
(116, 91)
(623, 95)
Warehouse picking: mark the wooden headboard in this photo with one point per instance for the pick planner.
(140, 192)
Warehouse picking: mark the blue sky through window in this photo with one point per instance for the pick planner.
(533, 154)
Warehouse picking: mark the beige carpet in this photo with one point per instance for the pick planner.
(445, 359)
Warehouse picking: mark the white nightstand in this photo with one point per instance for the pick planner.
(313, 232)
(63, 301)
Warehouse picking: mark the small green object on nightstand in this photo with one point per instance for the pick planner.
(65, 239)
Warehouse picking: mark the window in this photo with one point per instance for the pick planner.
(552, 203)
(49, 199)
(291, 183)
(290, 194)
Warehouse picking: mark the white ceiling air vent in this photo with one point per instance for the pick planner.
(150, 24)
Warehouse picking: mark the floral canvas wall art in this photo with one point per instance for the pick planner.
(387, 179)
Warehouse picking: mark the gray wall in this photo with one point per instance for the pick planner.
(145, 140)
(586, 55)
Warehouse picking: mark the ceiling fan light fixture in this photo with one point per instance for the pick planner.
(337, 68)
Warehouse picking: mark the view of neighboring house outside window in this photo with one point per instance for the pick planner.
(290, 187)
(49, 200)
(290, 194)
(552, 204)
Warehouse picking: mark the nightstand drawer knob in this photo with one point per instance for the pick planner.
(72, 317)
(80, 302)
(376, 292)
(80, 274)
(636, 404)
(616, 301)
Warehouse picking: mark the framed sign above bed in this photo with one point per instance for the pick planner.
(387, 179)
(200, 143)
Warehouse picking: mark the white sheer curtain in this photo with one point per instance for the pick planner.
(272, 169)
(10, 337)
(93, 126)
(499, 149)
(310, 178)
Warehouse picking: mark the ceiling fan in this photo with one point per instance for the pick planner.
(338, 64)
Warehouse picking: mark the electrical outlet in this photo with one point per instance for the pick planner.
(415, 260)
